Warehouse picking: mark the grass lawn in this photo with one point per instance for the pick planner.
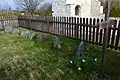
(24, 59)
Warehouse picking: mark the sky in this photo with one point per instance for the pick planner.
(5, 3)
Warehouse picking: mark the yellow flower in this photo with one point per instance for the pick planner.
(83, 60)
(79, 69)
(71, 62)
(95, 59)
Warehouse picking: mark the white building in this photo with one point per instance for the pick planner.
(81, 8)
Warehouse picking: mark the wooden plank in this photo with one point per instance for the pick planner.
(51, 22)
(62, 26)
(67, 33)
(118, 37)
(47, 23)
(54, 24)
(93, 36)
(77, 29)
(90, 29)
(25, 22)
(87, 29)
(113, 35)
(70, 26)
(109, 37)
(75, 21)
(80, 28)
(83, 29)
(65, 26)
(101, 35)
(58, 24)
(97, 32)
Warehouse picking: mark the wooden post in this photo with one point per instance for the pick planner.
(2, 23)
(30, 24)
(105, 43)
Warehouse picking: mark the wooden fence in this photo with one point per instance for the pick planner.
(72, 27)
(8, 21)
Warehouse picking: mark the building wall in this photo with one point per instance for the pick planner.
(84, 8)
(60, 8)
(95, 8)
(88, 8)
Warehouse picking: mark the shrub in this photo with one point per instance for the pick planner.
(115, 9)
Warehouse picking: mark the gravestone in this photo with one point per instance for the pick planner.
(56, 42)
(80, 49)
(8, 29)
(31, 35)
(24, 32)
(40, 37)
(14, 31)
(43, 35)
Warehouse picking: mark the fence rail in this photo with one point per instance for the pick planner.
(8, 21)
(73, 27)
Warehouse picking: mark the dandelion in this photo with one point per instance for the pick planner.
(95, 59)
(59, 60)
(71, 62)
(79, 69)
(83, 60)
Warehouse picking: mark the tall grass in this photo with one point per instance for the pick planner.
(24, 59)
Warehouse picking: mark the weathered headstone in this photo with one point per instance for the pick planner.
(31, 35)
(40, 37)
(44, 35)
(9, 29)
(80, 49)
(14, 31)
(24, 32)
(56, 43)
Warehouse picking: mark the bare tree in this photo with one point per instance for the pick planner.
(29, 5)
(45, 9)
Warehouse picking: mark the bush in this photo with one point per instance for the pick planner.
(115, 9)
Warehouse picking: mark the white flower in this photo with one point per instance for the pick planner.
(95, 59)
(71, 62)
(83, 60)
(79, 69)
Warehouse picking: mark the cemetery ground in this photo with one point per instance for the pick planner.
(25, 59)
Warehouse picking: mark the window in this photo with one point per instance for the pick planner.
(77, 10)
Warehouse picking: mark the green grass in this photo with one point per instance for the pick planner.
(24, 59)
